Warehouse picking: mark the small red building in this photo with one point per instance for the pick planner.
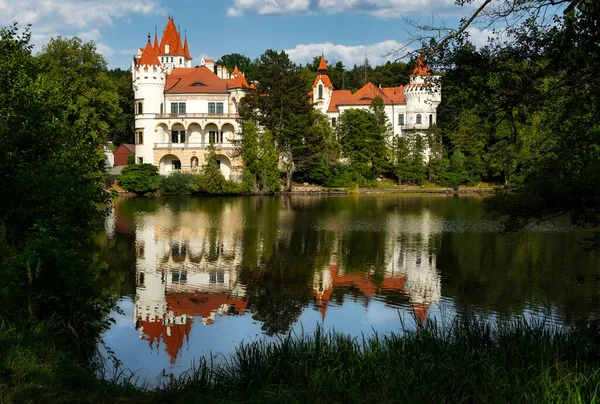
(122, 153)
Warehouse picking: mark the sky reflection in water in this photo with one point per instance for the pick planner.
(204, 274)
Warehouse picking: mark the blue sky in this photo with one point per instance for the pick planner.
(342, 29)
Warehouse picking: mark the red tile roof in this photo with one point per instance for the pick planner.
(236, 80)
(172, 38)
(364, 96)
(156, 46)
(149, 57)
(186, 49)
(323, 64)
(421, 69)
(325, 79)
(195, 80)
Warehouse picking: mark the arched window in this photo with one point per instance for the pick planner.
(162, 108)
(140, 109)
(430, 120)
(419, 119)
(320, 91)
(180, 61)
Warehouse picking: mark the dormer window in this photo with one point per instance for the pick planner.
(366, 99)
(198, 84)
(167, 48)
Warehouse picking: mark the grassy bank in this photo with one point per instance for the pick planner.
(464, 362)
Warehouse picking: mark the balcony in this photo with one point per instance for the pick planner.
(197, 116)
(218, 146)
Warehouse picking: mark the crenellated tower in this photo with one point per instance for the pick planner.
(148, 79)
(422, 95)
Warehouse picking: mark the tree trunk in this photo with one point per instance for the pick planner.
(288, 179)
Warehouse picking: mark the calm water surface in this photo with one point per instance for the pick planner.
(202, 275)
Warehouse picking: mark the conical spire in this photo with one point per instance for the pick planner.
(149, 57)
(156, 47)
(421, 69)
(186, 49)
(172, 38)
(322, 65)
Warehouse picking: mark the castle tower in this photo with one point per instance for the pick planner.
(148, 85)
(171, 52)
(322, 88)
(422, 97)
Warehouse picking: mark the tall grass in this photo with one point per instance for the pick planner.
(466, 361)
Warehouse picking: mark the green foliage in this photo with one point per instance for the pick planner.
(261, 172)
(243, 63)
(49, 152)
(457, 173)
(122, 126)
(139, 178)
(363, 138)
(211, 181)
(131, 159)
(177, 183)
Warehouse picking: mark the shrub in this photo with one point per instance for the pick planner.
(131, 159)
(177, 183)
(345, 176)
(139, 178)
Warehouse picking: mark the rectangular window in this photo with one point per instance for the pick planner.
(182, 107)
(177, 136)
(140, 160)
(400, 119)
(333, 121)
(139, 137)
(174, 107)
(219, 107)
(211, 107)
(176, 166)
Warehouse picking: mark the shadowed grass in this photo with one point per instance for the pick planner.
(467, 361)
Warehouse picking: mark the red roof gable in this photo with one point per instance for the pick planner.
(195, 80)
(325, 79)
(364, 96)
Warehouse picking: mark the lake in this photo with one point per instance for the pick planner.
(202, 275)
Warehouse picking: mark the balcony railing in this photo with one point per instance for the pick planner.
(218, 146)
(201, 116)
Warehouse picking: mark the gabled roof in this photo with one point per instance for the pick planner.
(237, 79)
(326, 81)
(195, 80)
(148, 57)
(364, 96)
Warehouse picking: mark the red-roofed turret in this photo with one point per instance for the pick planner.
(322, 65)
(421, 69)
(149, 57)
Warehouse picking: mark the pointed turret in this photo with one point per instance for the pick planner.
(149, 57)
(186, 50)
(171, 41)
(156, 46)
(323, 65)
(421, 69)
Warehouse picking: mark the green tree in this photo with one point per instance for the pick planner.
(280, 104)
(379, 137)
(51, 158)
(244, 64)
(122, 127)
(139, 178)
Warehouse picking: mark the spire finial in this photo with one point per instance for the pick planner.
(148, 37)
(155, 30)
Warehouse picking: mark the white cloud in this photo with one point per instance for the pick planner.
(105, 50)
(91, 35)
(46, 15)
(350, 55)
(380, 8)
(480, 37)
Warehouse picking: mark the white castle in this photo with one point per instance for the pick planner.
(180, 109)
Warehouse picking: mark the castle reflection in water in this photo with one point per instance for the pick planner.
(196, 264)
